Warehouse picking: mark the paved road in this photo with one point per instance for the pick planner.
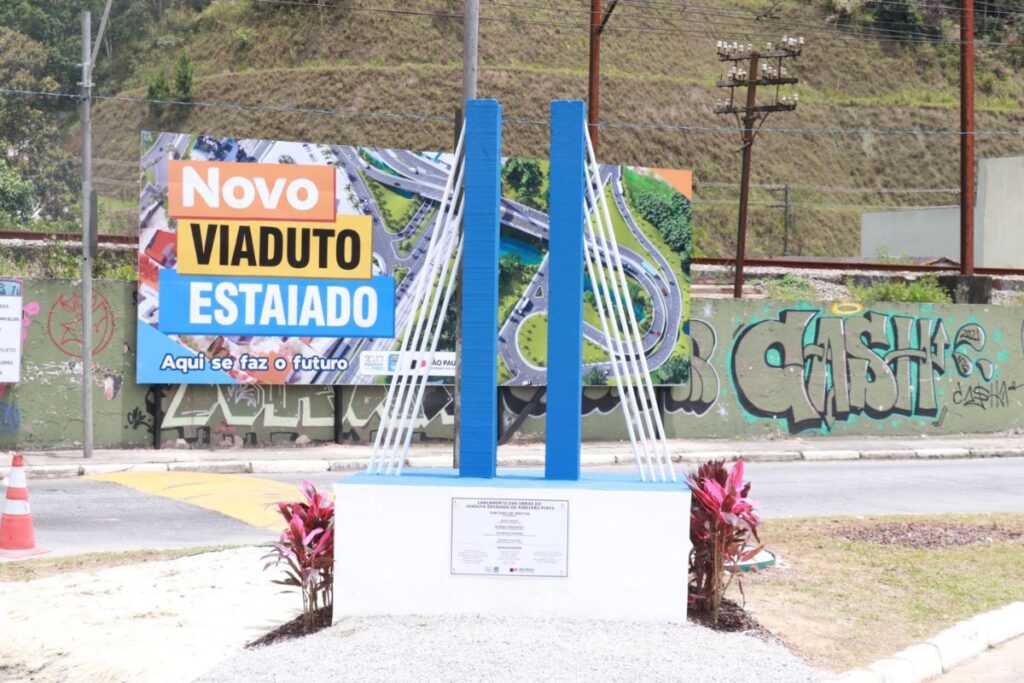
(81, 515)
(803, 489)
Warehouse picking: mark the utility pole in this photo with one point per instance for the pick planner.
(470, 37)
(470, 34)
(785, 220)
(751, 116)
(967, 138)
(87, 228)
(89, 237)
(598, 20)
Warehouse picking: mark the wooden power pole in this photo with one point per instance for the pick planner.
(764, 67)
(598, 20)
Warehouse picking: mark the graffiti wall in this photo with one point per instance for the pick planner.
(757, 367)
(44, 409)
(844, 368)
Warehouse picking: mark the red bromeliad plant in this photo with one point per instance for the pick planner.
(306, 548)
(722, 522)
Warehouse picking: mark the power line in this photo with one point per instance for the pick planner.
(874, 30)
(675, 30)
(441, 118)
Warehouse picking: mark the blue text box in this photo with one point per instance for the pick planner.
(276, 307)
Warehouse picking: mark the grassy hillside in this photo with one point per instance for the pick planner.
(659, 67)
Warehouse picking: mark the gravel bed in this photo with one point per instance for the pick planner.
(516, 649)
(831, 283)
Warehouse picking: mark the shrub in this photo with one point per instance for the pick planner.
(160, 91)
(306, 548)
(925, 290)
(244, 36)
(722, 522)
(791, 287)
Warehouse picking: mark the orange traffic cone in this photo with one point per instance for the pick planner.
(17, 537)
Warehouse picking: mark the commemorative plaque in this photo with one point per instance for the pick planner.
(510, 537)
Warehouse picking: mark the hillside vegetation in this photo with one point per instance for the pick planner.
(659, 69)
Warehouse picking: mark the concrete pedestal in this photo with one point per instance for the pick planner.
(626, 546)
(968, 289)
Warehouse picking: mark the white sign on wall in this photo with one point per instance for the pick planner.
(510, 537)
(10, 330)
(386, 363)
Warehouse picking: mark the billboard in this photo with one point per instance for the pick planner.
(294, 263)
(11, 329)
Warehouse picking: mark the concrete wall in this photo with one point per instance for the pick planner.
(935, 230)
(930, 232)
(1000, 219)
(759, 368)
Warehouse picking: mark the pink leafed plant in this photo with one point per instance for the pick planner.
(306, 549)
(722, 524)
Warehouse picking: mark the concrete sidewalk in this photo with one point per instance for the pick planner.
(342, 457)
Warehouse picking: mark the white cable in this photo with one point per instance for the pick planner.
(421, 388)
(645, 376)
(634, 340)
(406, 413)
(416, 297)
(616, 301)
(438, 254)
(613, 356)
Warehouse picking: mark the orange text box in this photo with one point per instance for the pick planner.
(247, 191)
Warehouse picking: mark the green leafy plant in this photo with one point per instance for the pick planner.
(671, 214)
(158, 92)
(925, 290)
(595, 377)
(722, 524)
(791, 287)
(306, 549)
(244, 36)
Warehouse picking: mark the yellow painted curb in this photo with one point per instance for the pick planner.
(247, 499)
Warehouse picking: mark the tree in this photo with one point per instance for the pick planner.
(671, 214)
(901, 17)
(36, 156)
(184, 88)
(17, 195)
(526, 177)
(159, 89)
(675, 370)
(595, 377)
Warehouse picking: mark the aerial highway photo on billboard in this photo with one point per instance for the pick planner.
(383, 218)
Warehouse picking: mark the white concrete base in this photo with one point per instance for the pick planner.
(628, 548)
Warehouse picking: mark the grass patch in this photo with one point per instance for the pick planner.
(845, 603)
(925, 290)
(533, 343)
(790, 287)
(41, 567)
(514, 276)
(623, 235)
(395, 209)
(504, 374)
(654, 235)
(533, 340)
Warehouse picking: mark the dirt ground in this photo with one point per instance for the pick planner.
(158, 621)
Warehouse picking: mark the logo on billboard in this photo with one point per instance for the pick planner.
(387, 363)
